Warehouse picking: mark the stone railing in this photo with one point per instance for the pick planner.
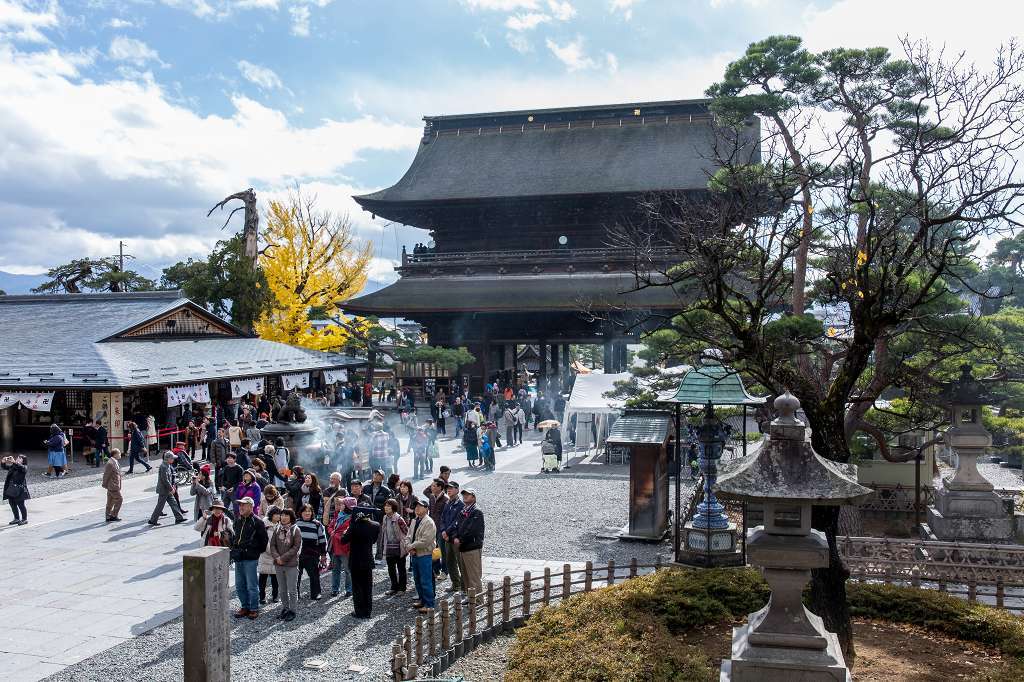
(454, 629)
(895, 498)
(974, 570)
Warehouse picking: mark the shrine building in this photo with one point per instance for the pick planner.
(518, 205)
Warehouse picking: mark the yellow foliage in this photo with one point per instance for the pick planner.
(311, 262)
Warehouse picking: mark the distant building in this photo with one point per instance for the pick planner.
(72, 358)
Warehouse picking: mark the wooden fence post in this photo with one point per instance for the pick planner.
(547, 585)
(588, 582)
(1000, 592)
(446, 635)
(400, 667)
(408, 643)
(611, 571)
(490, 604)
(432, 639)
(657, 563)
(632, 567)
(396, 670)
(566, 581)
(972, 590)
(419, 640)
(526, 594)
(459, 634)
(472, 611)
(506, 600)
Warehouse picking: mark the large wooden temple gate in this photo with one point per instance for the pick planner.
(518, 205)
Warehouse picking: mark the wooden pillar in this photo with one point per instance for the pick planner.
(515, 366)
(556, 378)
(566, 365)
(608, 355)
(542, 371)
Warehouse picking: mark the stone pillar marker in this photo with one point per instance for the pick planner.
(784, 641)
(206, 600)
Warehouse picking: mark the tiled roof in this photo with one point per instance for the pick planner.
(411, 295)
(57, 342)
(713, 383)
(640, 426)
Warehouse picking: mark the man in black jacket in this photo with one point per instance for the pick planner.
(228, 478)
(360, 536)
(379, 494)
(468, 540)
(247, 543)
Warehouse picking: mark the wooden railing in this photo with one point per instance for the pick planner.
(453, 629)
(534, 256)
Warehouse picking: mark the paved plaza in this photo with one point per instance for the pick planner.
(98, 601)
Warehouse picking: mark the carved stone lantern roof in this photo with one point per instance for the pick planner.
(787, 468)
(966, 390)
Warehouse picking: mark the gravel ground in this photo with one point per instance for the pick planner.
(485, 664)
(530, 516)
(1000, 477)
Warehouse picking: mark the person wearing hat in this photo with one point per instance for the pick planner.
(112, 481)
(165, 491)
(362, 533)
(214, 527)
(248, 542)
(468, 540)
(421, 540)
(449, 522)
(338, 549)
(204, 491)
(379, 494)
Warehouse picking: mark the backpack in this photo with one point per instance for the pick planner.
(339, 548)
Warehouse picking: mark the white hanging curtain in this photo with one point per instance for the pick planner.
(293, 381)
(242, 387)
(40, 402)
(192, 393)
(333, 376)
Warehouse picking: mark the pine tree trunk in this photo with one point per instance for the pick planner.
(828, 585)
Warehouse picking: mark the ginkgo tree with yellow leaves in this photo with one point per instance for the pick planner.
(312, 262)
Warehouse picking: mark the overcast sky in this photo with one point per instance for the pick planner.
(128, 120)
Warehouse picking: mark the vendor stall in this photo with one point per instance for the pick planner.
(589, 414)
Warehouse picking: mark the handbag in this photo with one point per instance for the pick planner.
(436, 554)
(16, 490)
(445, 414)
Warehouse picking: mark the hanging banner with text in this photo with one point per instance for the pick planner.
(242, 387)
(294, 381)
(40, 402)
(193, 393)
(333, 376)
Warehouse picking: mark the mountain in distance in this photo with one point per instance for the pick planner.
(19, 284)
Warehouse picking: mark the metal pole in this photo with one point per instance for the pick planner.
(679, 482)
(917, 488)
(744, 432)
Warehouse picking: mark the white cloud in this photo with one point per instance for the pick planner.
(132, 51)
(482, 37)
(88, 162)
(563, 11)
(611, 61)
(357, 101)
(526, 22)
(300, 20)
(571, 54)
(260, 76)
(24, 22)
(117, 22)
(625, 7)
(519, 42)
(501, 5)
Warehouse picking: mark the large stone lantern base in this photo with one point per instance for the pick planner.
(966, 508)
(724, 549)
(784, 641)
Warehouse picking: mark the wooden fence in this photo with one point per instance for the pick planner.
(453, 628)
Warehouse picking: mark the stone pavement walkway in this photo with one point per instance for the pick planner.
(77, 585)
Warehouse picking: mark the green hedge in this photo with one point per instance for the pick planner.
(628, 631)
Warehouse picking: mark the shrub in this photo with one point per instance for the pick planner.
(629, 631)
(939, 611)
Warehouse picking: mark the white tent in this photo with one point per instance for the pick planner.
(594, 412)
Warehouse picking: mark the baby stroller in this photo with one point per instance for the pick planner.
(548, 457)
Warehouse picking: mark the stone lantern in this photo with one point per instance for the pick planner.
(966, 506)
(784, 641)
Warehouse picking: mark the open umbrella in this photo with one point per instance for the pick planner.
(548, 424)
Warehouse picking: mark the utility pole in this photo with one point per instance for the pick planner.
(120, 248)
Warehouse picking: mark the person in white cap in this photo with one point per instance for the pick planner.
(248, 542)
(468, 540)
